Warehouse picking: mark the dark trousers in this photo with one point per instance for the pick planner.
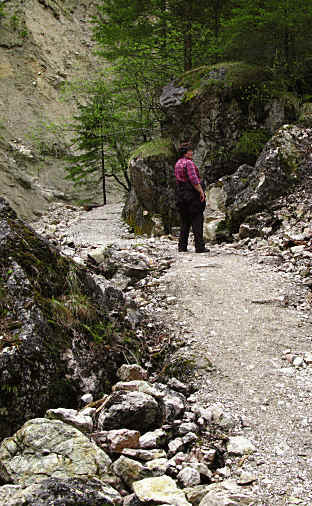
(191, 216)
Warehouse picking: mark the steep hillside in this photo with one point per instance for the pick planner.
(44, 44)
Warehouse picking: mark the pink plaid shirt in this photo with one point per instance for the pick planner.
(192, 171)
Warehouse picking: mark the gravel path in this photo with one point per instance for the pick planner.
(246, 341)
(235, 315)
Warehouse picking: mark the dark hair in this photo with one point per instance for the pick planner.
(184, 149)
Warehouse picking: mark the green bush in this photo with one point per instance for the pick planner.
(251, 143)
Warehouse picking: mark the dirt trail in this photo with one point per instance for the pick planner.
(245, 341)
(216, 298)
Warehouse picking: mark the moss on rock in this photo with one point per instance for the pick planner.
(229, 75)
(155, 148)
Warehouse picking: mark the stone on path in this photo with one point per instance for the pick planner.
(226, 493)
(161, 490)
(239, 445)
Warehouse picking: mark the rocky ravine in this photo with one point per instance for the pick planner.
(243, 309)
(45, 47)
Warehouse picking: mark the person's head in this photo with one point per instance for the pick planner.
(187, 152)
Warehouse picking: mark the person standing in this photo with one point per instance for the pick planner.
(191, 200)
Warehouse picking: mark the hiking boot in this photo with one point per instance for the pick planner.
(203, 250)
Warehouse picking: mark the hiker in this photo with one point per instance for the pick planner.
(191, 200)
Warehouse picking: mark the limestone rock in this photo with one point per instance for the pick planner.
(189, 477)
(122, 438)
(139, 386)
(144, 455)
(239, 445)
(130, 372)
(158, 467)
(175, 446)
(161, 490)
(72, 417)
(186, 427)
(226, 493)
(195, 494)
(154, 439)
(129, 470)
(78, 491)
(172, 403)
(130, 410)
(249, 190)
(50, 448)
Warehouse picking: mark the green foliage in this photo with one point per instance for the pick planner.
(157, 147)
(113, 119)
(252, 142)
(276, 33)
(229, 75)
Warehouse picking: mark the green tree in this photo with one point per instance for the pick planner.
(173, 34)
(102, 139)
(276, 33)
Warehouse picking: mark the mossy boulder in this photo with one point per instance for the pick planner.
(228, 112)
(152, 195)
(57, 337)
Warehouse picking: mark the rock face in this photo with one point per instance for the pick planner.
(53, 323)
(47, 45)
(226, 113)
(282, 163)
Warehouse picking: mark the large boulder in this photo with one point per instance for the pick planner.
(283, 162)
(151, 201)
(227, 112)
(56, 332)
(51, 449)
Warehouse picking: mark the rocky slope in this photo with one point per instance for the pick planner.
(44, 46)
(237, 430)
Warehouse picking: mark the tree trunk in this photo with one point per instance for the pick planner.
(103, 172)
(188, 46)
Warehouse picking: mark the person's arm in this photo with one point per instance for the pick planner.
(202, 195)
(194, 179)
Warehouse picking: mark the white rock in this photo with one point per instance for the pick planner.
(87, 398)
(161, 490)
(189, 477)
(175, 446)
(158, 467)
(153, 439)
(239, 445)
(298, 361)
(72, 417)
